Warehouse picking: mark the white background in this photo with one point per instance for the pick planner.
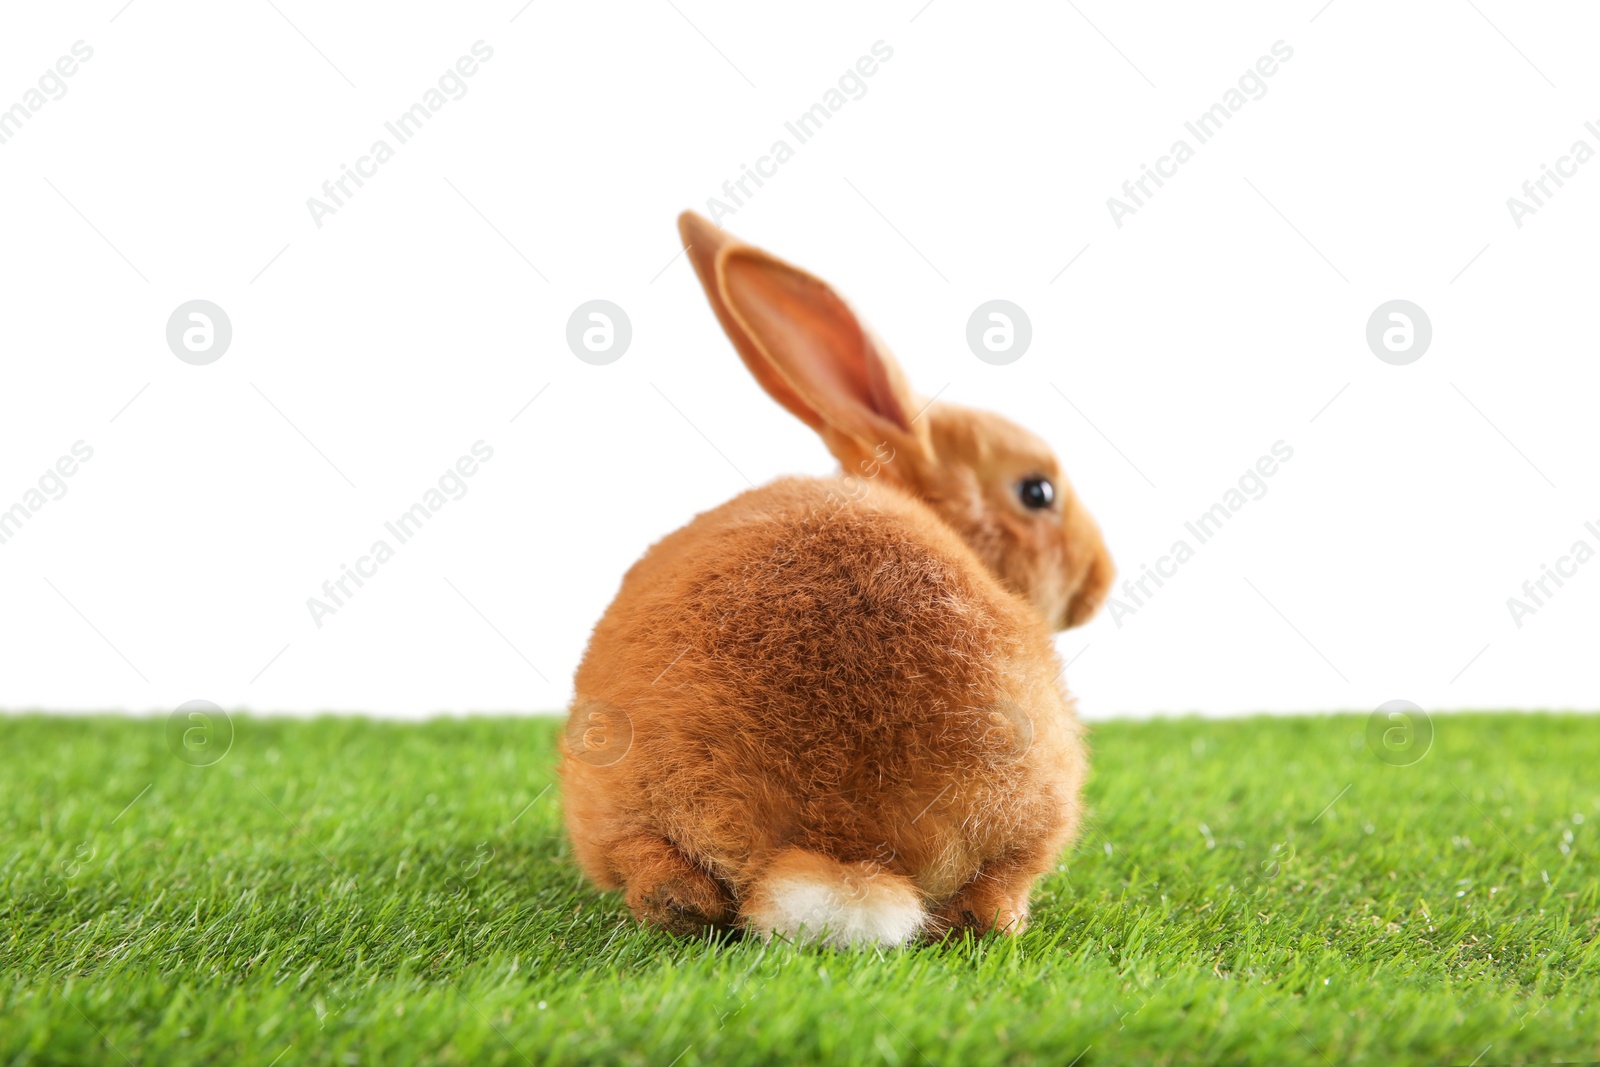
(1222, 317)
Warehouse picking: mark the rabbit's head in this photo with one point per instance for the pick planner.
(997, 485)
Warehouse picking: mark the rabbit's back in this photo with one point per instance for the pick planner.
(823, 664)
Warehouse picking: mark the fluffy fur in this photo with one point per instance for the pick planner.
(830, 709)
(807, 897)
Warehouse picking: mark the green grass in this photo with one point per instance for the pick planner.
(347, 891)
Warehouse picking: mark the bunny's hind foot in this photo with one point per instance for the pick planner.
(665, 889)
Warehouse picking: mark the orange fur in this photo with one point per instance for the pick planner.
(858, 668)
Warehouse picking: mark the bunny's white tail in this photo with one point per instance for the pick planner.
(806, 896)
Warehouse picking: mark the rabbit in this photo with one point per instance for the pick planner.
(830, 709)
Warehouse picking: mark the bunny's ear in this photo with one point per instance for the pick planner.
(704, 241)
(804, 345)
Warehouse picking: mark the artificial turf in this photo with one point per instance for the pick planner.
(349, 891)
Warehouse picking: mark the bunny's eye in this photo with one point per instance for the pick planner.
(1036, 493)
